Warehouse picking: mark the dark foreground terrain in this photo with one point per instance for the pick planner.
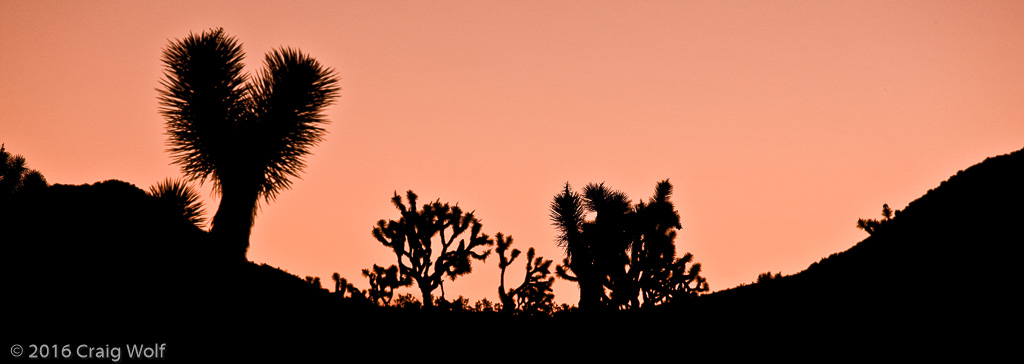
(107, 264)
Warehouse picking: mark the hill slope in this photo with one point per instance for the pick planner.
(949, 255)
(107, 261)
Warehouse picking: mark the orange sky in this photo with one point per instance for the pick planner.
(780, 123)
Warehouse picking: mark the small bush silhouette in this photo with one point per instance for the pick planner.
(315, 281)
(767, 277)
(407, 301)
(485, 305)
(871, 226)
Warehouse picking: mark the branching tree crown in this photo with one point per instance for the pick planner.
(383, 282)
(429, 243)
(534, 295)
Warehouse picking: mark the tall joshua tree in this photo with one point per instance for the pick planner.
(568, 216)
(247, 136)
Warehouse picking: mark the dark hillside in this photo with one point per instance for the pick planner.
(948, 258)
(107, 261)
(105, 247)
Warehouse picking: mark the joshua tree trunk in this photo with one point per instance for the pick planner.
(233, 222)
(591, 290)
(425, 290)
(508, 304)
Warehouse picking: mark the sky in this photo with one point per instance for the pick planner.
(779, 123)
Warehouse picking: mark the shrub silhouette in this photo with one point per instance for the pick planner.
(408, 301)
(412, 238)
(459, 304)
(315, 281)
(485, 305)
(871, 225)
(767, 277)
(248, 136)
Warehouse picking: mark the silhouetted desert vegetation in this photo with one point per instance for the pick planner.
(111, 261)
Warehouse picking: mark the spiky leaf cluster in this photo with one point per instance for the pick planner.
(16, 177)
(227, 128)
(181, 198)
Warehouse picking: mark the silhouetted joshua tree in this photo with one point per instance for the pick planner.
(342, 287)
(383, 283)
(315, 281)
(871, 225)
(412, 238)
(661, 276)
(625, 250)
(567, 215)
(595, 250)
(16, 177)
(683, 283)
(534, 295)
(247, 135)
(337, 281)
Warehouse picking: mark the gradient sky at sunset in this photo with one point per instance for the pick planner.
(780, 123)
